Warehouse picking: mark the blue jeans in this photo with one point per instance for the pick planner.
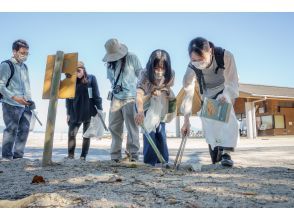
(15, 135)
(159, 138)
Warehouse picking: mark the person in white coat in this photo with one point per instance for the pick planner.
(215, 71)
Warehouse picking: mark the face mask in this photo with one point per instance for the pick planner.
(204, 63)
(159, 74)
(22, 58)
(200, 64)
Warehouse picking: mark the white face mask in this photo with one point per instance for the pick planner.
(159, 74)
(22, 58)
(200, 64)
(203, 64)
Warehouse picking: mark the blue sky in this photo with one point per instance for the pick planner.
(262, 43)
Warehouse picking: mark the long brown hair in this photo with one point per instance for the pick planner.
(84, 79)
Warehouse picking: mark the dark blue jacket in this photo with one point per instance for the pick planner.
(81, 108)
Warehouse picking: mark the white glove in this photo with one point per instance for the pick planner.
(222, 98)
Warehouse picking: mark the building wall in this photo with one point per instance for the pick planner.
(267, 108)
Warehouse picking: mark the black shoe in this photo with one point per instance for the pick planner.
(215, 154)
(226, 160)
(115, 160)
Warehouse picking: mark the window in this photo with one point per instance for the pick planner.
(279, 121)
(266, 122)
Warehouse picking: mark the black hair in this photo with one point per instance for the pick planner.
(155, 58)
(112, 65)
(200, 45)
(20, 44)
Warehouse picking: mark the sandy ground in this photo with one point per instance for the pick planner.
(263, 176)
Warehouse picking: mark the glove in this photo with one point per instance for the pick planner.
(222, 98)
(32, 105)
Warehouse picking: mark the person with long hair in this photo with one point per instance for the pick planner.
(154, 87)
(81, 108)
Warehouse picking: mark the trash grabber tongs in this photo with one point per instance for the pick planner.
(38, 120)
(180, 152)
(151, 142)
(101, 118)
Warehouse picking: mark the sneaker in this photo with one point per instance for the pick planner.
(115, 160)
(5, 159)
(226, 160)
(69, 157)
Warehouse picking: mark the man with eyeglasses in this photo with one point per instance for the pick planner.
(16, 101)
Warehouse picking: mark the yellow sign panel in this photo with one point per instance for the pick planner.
(67, 87)
(196, 102)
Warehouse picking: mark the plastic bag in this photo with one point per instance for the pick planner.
(96, 128)
(153, 115)
(33, 122)
(222, 134)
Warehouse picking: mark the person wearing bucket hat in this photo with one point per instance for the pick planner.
(81, 108)
(123, 69)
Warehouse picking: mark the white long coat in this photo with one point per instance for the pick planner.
(216, 133)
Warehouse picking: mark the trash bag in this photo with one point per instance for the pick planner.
(96, 128)
(153, 115)
(33, 122)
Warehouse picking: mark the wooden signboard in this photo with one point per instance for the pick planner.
(67, 87)
(55, 89)
(196, 104)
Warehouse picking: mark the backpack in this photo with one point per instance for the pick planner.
(219, 58)
(12, 70)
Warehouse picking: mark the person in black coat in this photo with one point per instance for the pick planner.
(81, 108)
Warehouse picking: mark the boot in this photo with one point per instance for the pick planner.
(215, 154)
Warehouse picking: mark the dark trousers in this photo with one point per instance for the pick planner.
(159, 138)
(17, 125)
(72, 133)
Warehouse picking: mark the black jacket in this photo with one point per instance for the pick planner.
(81, 108)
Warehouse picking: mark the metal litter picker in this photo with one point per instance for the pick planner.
(180, 152)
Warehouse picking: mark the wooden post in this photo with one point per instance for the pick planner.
(49, 136)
